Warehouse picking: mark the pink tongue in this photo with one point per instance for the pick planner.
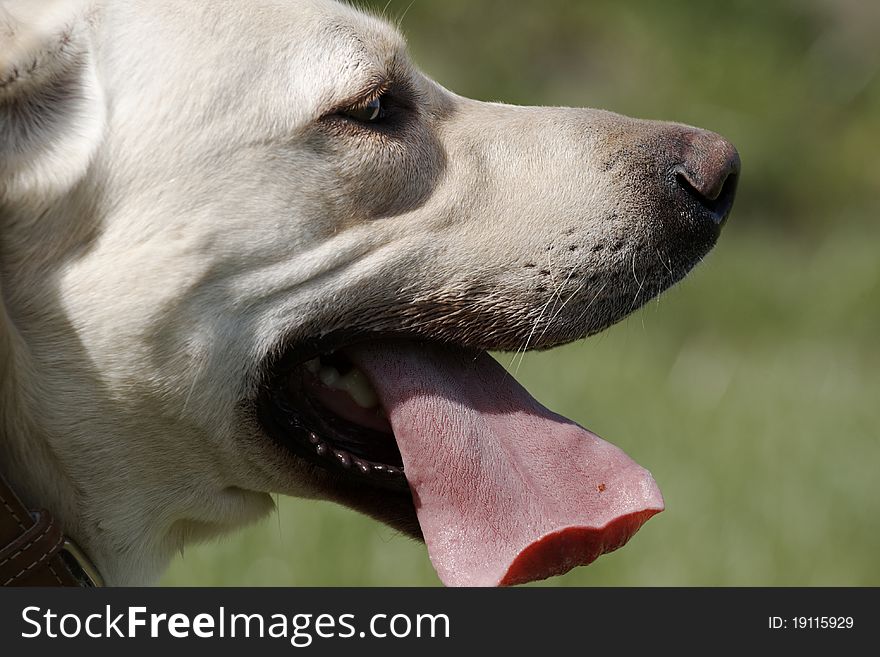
(506, 492)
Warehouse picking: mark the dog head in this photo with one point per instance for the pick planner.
(210, 212)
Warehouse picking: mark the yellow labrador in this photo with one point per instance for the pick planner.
(246, 247)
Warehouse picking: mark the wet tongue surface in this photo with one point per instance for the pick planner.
(506, 492)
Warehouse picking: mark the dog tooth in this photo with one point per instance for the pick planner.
(356, 384)
(362, 466)
(313, 438)
(378, 467)
(343, 458)
(392, 470)
(329, 376)
(321, 449)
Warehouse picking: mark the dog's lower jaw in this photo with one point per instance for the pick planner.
(138, 554)
(130, 537)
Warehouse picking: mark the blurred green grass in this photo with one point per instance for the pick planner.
(750, 390)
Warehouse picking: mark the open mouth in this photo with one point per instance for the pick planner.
(326, 411)
(505, 491)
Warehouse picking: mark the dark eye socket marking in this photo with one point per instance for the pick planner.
(384, 107)
(373, 110)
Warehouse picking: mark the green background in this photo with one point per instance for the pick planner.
(751, 390)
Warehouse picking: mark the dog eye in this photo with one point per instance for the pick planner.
(370, 112)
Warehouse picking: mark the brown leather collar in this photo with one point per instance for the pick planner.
(34, 551)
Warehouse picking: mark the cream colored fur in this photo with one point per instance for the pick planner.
(172, 206)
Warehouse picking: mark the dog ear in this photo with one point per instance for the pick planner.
(52, 112)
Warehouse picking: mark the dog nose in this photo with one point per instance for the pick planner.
(707, 171)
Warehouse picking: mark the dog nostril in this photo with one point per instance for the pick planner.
(718, 201)
(708, 172)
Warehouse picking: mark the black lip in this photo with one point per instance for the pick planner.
(310, 433)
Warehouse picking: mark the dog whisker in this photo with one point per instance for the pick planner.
(639, 283)
(664, 263)
(525, 347)
(587, 307)
(399, 21)
(556, 313)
